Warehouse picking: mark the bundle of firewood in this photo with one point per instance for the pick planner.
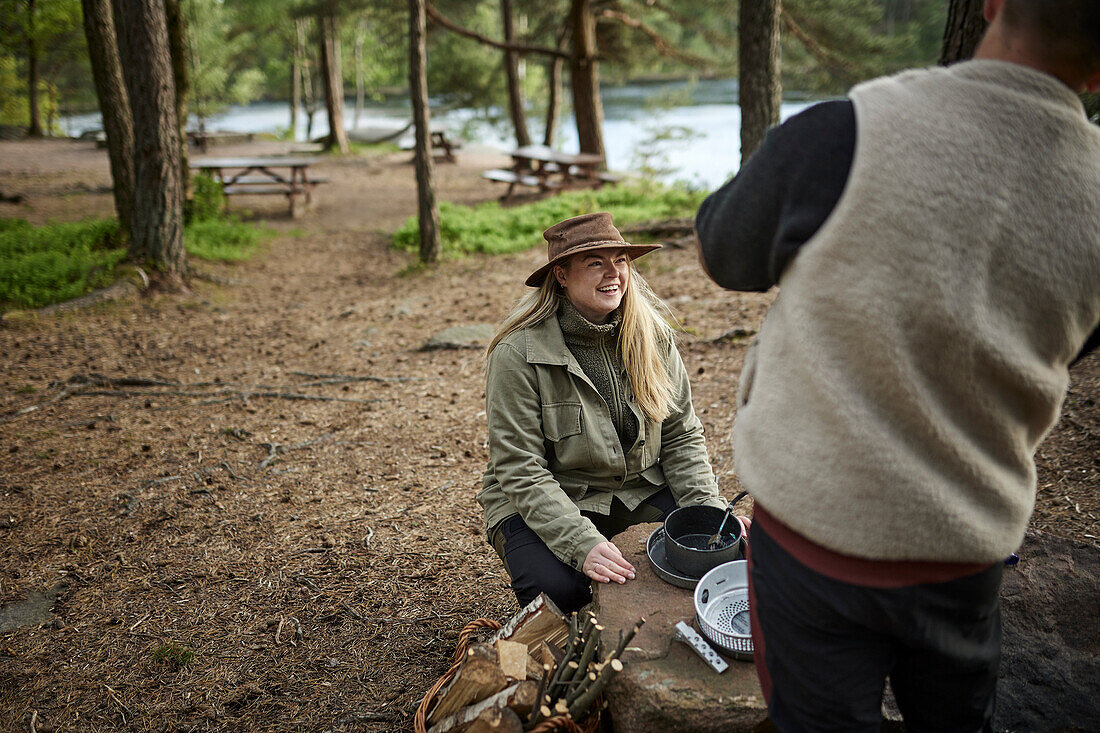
(536, 670)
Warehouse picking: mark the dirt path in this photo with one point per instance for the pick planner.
(207, 580)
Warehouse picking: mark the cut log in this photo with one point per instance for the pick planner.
(539, 621)
(513, 658)
(534, 668)
(520, 698)
(479, 677)
(496, 720)
(550, 654)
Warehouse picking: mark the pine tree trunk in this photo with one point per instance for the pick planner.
(553, 101)
(964, 29)
(114, 104)
(296, 76)
(333, 80)
(177, 47)
(511, 71)
(585, 72)
(758, 57)
(428, 211)
(360, 90)
(157, 221)
(35, 127)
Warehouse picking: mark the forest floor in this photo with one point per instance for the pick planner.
(222, 556)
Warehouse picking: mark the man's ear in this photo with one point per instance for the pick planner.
(991, 8)
(1093, 84)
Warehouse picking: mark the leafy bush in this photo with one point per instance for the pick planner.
(56, 262)
(208, 200)
(493, 229)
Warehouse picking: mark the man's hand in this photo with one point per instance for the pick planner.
(605, 563)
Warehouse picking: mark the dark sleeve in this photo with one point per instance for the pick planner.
(1092, 342)
(754, 225)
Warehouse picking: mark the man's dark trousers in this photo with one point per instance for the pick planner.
(829, 646)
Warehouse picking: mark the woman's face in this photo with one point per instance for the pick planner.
(595, 281)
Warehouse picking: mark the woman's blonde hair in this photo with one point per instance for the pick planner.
(643, 333)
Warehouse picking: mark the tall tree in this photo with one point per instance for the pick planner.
(333, 78)
(177, 47)
(35, 127)
(964, 29)
(511, 71)
(553, 84)
(585, 73)
(114, 104)
(157, 220)
(759, 85)
(427, 209)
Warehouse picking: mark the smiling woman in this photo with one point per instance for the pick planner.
(591, 428)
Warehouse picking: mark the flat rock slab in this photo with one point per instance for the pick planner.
(665, 686)
(473, 336)
(36, 610)
(1050, 666)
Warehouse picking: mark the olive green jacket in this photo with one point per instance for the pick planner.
(553, 450)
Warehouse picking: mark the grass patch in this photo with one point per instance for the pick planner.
(173, 653)
(226, 240)
(56, 262)
(493, 229)
(40, 265)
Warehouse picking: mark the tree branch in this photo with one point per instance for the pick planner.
(660, 42)
(435, 17)
(837, 67)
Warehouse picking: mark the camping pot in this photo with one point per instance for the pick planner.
(687, 531)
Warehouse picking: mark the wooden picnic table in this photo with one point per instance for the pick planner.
(286, 176)
(542, 167)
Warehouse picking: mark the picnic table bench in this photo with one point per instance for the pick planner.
(543, 168)
(264, 176)
(442, 145)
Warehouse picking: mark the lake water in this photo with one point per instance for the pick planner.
(704, 150)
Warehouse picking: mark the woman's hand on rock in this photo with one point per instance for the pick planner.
(605, 563)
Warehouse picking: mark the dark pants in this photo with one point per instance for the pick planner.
(829, 646)
(535, 569)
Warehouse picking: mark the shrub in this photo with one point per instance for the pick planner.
(208, 200)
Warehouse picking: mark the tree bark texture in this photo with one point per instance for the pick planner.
(177, 47)
(963, 30)
(333, 79)
(759, 84)
(428, 210)
(114, 104)
(157, 219)
(585, 72)
(553, 100)
(511, 71)
(35, 127)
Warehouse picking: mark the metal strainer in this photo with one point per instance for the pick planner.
(722, 608)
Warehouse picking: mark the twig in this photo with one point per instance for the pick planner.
(343, 378)
(139, 622)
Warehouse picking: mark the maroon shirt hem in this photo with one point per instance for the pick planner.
(858, 570)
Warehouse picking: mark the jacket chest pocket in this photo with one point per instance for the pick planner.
(562, 428)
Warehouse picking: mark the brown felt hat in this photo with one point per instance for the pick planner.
(580, 234)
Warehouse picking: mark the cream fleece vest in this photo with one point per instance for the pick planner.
(917, 353)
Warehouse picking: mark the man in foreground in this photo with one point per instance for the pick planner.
(936, 240)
